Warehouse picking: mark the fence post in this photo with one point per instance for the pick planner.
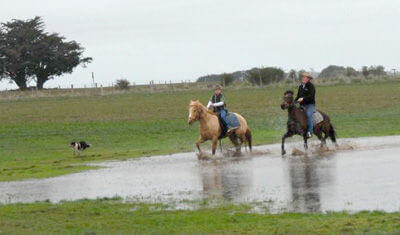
(151, 86)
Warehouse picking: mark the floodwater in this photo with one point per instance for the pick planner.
(363, 174)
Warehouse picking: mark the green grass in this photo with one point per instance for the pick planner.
(35, 132)
(109, 216)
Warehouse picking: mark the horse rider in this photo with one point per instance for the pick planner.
(306, 98)
(217, 102)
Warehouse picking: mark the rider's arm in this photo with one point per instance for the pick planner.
(220, 103)
(210, 102)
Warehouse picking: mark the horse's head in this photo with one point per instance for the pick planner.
(194, 111)
(287, 99)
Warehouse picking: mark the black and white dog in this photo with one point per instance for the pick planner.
(78, 147)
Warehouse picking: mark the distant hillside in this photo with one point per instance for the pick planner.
(256, 76)
(333, 71)
(237, 76)
(276, 74)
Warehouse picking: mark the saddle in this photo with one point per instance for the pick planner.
(318, 118)
(232, 119)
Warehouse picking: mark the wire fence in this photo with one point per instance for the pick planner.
(100, 90)
(152, 87)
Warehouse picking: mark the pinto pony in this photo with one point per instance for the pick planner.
(210, 128)
(297, 123)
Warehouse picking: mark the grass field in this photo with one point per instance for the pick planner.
(111, 216)
(35, 132)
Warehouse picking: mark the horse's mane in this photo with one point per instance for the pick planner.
(198, 104)
(288, 92)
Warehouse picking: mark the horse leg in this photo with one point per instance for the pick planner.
(242, 140)
(235, 142)
(318, 133)
(286, 135)
(198, 142)
(214, 145)
(325, 136)
(305, 142)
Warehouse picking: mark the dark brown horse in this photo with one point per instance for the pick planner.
(297, 123)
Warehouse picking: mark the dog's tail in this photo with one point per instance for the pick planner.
(248, 137)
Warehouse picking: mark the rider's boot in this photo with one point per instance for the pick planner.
(309, 135)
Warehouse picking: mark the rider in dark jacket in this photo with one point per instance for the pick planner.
(306, 97)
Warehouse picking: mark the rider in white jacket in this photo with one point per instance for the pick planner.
(217, 102)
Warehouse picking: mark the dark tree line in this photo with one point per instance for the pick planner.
(265, 76)
(373, 71)
(28, 53)
(334, 71)
(255, 76)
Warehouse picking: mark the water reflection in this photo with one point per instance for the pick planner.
(363, 179)
(306, 174)
(228, 180)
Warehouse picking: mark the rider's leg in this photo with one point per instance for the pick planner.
(310, 119)
(222, 115)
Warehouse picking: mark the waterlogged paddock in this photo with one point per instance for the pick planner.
(363, 174)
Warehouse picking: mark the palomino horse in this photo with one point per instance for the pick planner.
(210, 128)
(297, 123)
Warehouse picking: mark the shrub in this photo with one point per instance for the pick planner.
(122, 84)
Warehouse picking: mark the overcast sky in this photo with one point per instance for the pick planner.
(144, 40)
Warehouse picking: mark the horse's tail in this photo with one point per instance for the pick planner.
(332, 133)
(248, 137)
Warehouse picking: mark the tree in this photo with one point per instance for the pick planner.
(351, 72)
(333, 71)
(236, 76)
(253, 76)
(265, 75)
(373, 70)
(379, 70)
(365, 71)
(54, 56)
(300, 73)
(17, 38)
(28, 53)
(122, 84)
(292, 75)
(226, 79)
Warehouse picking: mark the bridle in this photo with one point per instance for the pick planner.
(197, 116)
(286, 103)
